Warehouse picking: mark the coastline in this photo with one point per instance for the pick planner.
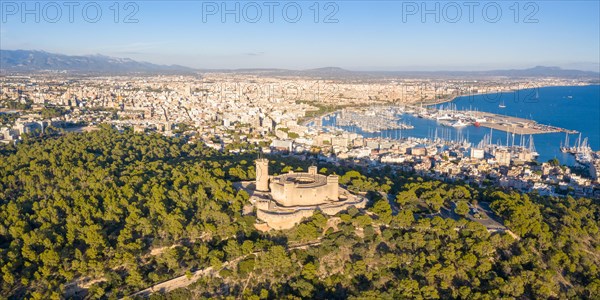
(446, 100)
(442, 101)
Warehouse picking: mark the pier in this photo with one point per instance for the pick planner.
(516, 125)
(459, 118)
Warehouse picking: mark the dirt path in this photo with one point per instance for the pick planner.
(184, 280)
(161, 250)
(175, 283)
(516, 237)
(74, 288)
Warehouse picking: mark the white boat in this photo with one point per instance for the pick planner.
(502, 104)
(459, 123)
(583, 158)
(443, 117)
(446, 123)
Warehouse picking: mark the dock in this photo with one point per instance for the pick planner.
(460, 118)
(517, 125)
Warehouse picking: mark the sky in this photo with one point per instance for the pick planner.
(355, 35)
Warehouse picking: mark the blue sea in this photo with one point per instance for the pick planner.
(570, 107)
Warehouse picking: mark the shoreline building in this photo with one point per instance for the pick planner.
(283, 201)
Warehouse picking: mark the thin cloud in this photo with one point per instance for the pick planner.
(254, 53)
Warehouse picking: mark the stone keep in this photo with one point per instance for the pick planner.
(262, 175)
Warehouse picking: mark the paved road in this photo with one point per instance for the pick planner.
(489, 219)
(392, 200)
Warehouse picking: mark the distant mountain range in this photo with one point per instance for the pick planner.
(17, 61)
(28, 60)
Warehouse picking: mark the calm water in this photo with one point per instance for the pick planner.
(576, 108)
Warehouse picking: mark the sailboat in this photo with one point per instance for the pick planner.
(564, 148)
(532, 147)
(502, 104)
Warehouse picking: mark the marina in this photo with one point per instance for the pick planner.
(580, 150)
(519, 121)
(372, 120)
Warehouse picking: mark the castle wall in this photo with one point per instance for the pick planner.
(288, 219)
(331, 210)
(262, 204)
(281, 221)
(289, 194)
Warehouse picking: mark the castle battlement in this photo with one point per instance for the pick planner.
(296, 195)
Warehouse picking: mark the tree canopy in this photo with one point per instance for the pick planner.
(104, 214)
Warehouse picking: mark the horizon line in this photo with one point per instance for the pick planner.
(398, 69)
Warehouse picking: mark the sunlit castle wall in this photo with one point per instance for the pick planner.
(303, 189)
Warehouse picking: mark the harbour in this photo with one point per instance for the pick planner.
(480, 118)
(450, 116)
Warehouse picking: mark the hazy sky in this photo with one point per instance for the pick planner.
(374, 35)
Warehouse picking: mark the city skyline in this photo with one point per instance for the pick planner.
(388, 36)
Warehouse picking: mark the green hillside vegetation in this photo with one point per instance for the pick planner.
(124, 211)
